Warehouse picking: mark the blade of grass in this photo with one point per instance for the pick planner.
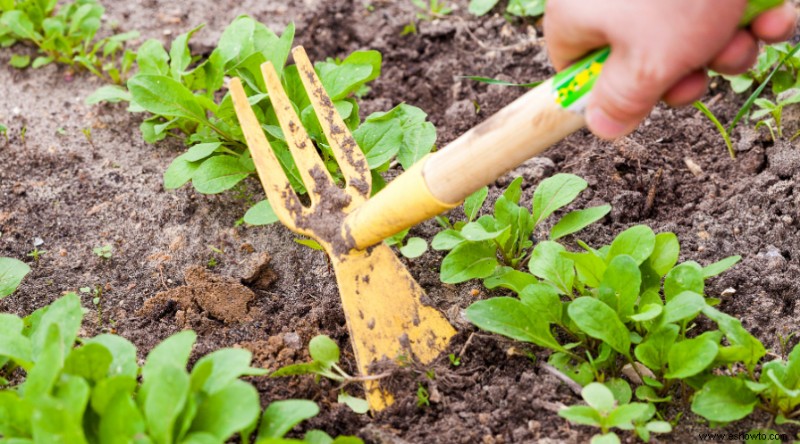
(720, 127)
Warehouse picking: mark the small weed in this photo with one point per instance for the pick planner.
(423, 397)
(432, 9)
(36, 253)
(23, 132)
(96, 293)
(103, 252)
(455, 361)
(408, 29)
(87, 133)
(519, 8)
(212, 262)
(4, 131)
(61, 131)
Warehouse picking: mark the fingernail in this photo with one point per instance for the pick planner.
(602, 125)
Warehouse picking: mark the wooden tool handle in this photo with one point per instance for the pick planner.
(516, 133)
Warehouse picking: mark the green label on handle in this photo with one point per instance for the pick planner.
(571, 86)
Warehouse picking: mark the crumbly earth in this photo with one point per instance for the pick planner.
(76, 192)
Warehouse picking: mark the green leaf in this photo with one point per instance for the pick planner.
(40, 61)
(665, 253)
(179, 172)
(647, 312)
(260, 214)
(226, 365)
(724, 399)
(623, 279)
(447, 240)
(555, 192)
(164, 96)
(65, 312)
(589, 266)
(179, 55)
(414, 247)
(491, 81)
(108, 93)
(121, 421)
(507, 277)
(219, 173)
(401, 131)
(752, 349)
(526, 8)
(543, 299)
(90, 362)
(171, 352)
(511, 318)
(624, 416)
(607, 438)
(282, 416)
(324, 350)
(152, 59)
(107, 389)
(514, 191)
(581, 414)
(577, 220)
(163, 395)
(474, 202)
(358, 405)
(14, 345)
(599, 321)
(12, 272)
(654, 350)
(481, 7)
(341, 80)
(687, 276)
(20, 24)
(690, 357)
(20, 61)
(548, 264)
(233, 408)
(638, 242)
(483, 229)
(599, 397)
(685, 305)
(468, 260)
(620, 389)
(43, 376)
(720, 267)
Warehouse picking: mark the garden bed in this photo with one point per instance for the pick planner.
(76, 192)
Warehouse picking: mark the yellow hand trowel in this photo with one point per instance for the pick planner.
(382, 302)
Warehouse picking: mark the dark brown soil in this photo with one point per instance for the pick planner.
(76, 193)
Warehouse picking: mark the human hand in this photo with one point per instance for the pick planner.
(660, 50)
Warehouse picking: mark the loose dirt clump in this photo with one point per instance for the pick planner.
(205, 296)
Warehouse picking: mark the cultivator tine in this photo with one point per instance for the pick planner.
(303, 150)
(349, 156)
(279, 191)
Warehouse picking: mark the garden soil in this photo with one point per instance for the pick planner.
(181, 261)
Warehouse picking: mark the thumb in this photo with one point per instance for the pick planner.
(622, 97)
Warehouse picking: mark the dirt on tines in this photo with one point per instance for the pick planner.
(180, 260)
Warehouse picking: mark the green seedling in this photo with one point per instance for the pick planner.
(607, 412)
(212, 262)
(23, 132)
(104, 252)
(786, 58)
(66, 36)
(785, 78)
(324, 363)
(770, 113)
(96, 293)
(12, 272)
(520, 8)
(411, 248)
(476, 243)
(4, 131)
(95, 390)
(185, 97)
(36, 253)
(423, 397)
(87, 133)
(431, 9)
(455, 361)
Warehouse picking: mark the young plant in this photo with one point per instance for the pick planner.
(494, 247)
(12, 272)
(770, 113)
(36, 253)
(93, 390)
(66, 36)
(325, 363)
(431, 9)
(185, 97)
(607, 411)
(411, 248)
(103, 252)
(785, 78)
(520, 8)
(4, 131)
